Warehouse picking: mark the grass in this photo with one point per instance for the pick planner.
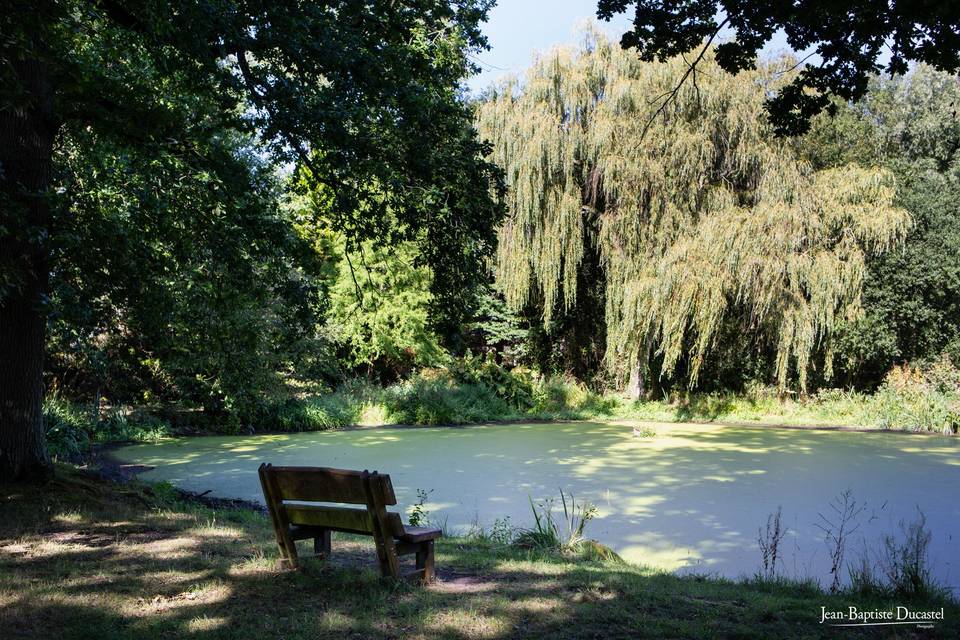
(85, 558)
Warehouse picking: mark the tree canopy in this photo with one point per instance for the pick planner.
(850, 39)
(134, 126)
(909, 125)
(704, 218)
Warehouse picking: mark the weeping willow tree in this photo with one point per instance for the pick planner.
(696, 210)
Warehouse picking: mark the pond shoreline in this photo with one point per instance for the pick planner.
(614, 421)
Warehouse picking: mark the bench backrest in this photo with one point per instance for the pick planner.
(286, 488)
(323, 484)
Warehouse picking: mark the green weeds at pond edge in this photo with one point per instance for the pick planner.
(910, 399)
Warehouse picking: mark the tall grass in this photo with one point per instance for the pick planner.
(902, 568)
(551, 533)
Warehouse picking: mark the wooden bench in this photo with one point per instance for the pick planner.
(289, 490)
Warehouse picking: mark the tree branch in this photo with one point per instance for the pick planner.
(691, 69)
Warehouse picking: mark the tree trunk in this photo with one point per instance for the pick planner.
(635, 390)
(27, 131)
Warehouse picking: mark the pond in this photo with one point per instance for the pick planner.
(689, 498)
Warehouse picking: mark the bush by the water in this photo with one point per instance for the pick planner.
(72, 428)
(515, 386)
(919, 399)
(470, 390)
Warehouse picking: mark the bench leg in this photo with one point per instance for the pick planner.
(321, 544)
(389, 563)
(288, 553)
(425, 561)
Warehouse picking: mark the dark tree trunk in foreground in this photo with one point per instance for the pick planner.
(27, 130)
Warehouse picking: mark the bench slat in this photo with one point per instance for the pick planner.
(339, 518)
(321, 484)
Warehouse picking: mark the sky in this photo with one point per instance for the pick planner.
(516, 29)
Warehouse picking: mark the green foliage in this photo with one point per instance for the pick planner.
(494, 326)
(71, 429)
(917, 399)
(902, 570)
(317, 413)
(370, 89)
(379, 313)
(434, 397)
(512, 385)
(910, 399)
(550, 534)
(910, 296)
(848, 39)
(418, 513)
(67, 427)
(570, 399)
(709, 219)
(199, 293)
(142, 148)
(906, 562)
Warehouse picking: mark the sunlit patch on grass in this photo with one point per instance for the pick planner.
(212, 528)
(255, 564)
(199, 595)
(466, 623)
(65, 548)
(336, 621)
(69, 517)
(462, 585)
(535, 605)
(174, 576)
(174, 517)
(9, 598)
(15, 548)
(174, 548)
(205, 623)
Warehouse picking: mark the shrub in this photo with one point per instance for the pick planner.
(120, 426)
(515, 386)
(919, 399)
(567, 398)
(316, 413)
(67, 427)
(433, 397)
(906, 563)
(71, 429)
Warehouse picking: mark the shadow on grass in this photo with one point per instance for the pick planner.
(80, 558)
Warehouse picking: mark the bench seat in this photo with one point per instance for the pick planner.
(419, 534)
